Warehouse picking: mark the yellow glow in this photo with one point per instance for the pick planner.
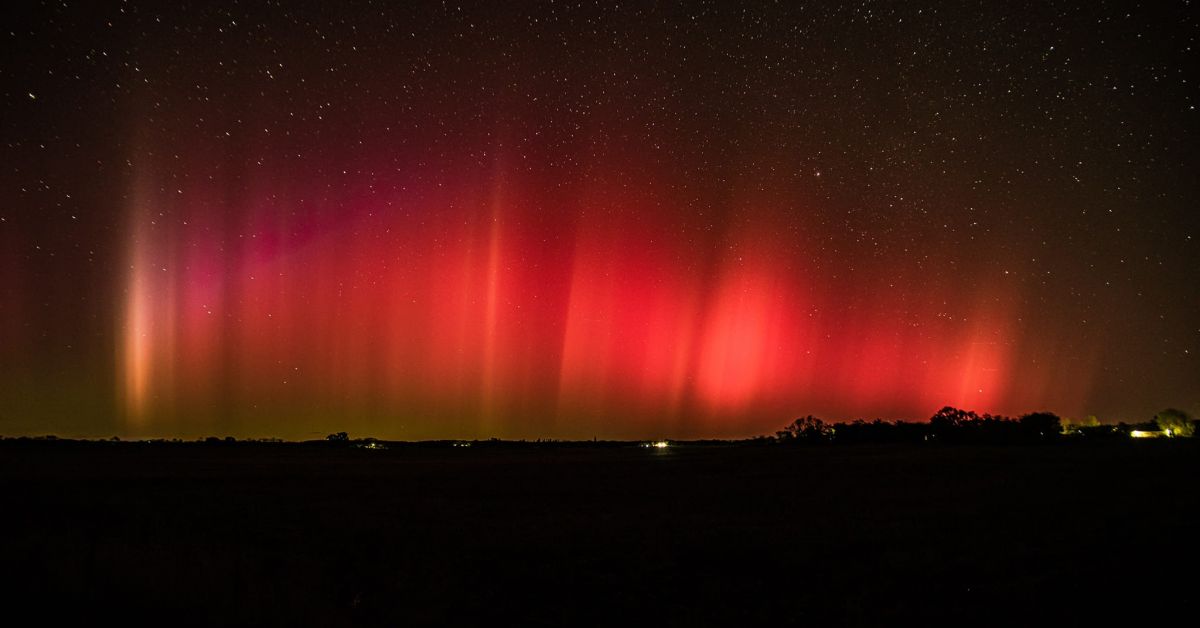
(662, 444)
(137, 355)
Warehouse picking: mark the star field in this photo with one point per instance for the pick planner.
(572, 219)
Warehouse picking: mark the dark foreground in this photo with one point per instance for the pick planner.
(294, 535)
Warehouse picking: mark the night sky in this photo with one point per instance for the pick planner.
(573, 219)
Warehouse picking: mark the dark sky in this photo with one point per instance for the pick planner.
(574, 219)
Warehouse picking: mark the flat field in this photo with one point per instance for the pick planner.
(291, 534)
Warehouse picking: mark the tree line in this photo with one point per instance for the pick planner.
(954, 425)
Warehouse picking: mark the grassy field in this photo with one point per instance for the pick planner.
(308, 535)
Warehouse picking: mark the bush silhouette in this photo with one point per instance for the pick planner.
(1041, 426)
(1175, 420)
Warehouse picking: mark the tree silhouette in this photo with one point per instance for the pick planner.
(1041, 425)
(951, 423)
(805, 429)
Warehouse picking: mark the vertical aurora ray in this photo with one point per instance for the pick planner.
(143, 342)
(437, 221)
(468, 293)
(136, 360)
(465, 314)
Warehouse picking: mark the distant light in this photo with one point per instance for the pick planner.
(662, 444)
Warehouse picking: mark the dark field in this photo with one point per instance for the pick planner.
(311, 535)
